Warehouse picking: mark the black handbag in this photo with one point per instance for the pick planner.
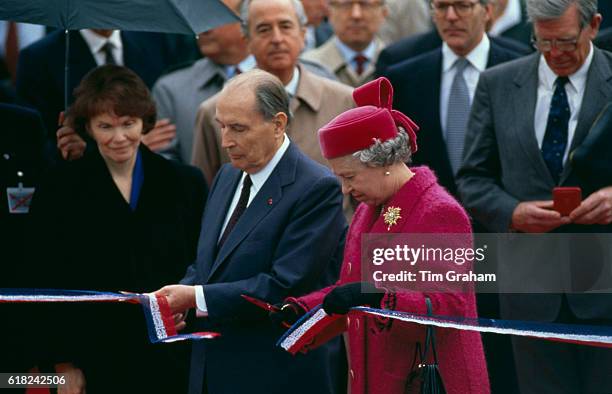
(424, 377)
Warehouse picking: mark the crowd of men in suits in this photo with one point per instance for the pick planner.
(484, 79)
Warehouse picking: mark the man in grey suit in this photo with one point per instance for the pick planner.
(527, 117)
(179, 94)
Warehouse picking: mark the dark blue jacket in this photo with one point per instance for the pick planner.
(288, 242)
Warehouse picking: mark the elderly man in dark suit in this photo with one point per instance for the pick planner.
(416, 45)
(273, 227)
(424, 84)
(528, 116)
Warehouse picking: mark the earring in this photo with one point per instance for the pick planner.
(387, 173)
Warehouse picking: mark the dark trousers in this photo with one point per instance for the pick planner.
(556, 367)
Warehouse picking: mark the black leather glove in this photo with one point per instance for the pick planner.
(287, 314)
(344, 297)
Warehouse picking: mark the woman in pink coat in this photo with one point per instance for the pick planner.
(367, 148)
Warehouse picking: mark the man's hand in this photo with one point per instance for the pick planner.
(160, 136)
(180, 297)
(70, 144)
(537, 217)
(595, 209)
(75, 380)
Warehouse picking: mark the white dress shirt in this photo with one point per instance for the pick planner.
(349, 54)
(245, 65)
(511, 17)
(259, 179)
(26, 34)
(291, 87)
(310, 39)
(574, 90)
(96, 42)
(477, 63)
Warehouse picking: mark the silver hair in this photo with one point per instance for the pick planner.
(553, 9)
(381, 154)
(244, 15)
(270, 94)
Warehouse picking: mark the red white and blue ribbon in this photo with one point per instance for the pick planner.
(160, 324)
(316, 320)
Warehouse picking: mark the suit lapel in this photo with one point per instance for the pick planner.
(264, 202)
(136, 58)
(222, 198)
(596, 95)
(434, 144)
(524, 101)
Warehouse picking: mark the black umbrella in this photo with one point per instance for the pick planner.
(163, 16)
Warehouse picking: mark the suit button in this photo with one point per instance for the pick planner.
(352, 374)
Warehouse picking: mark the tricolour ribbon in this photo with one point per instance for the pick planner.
(160, 324)
(315, 321)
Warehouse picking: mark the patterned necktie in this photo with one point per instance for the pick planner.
(239, 210)
(107, 49)
(555, 139)
(457, 116)
(360, 61)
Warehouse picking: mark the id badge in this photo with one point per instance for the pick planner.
(19, 199)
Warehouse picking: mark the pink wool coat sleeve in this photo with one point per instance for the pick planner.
(381, 351)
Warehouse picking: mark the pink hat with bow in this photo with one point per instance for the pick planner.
(373, 119)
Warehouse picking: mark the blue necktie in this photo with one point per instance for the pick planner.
(457, 116)
(555, 139)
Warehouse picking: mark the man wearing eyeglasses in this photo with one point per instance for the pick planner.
(351, 54)
(528, 116)
(438, 98)
(436, 88)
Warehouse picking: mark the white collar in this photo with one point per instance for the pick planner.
(95, 42)
(478, 57)
(547, 77)
(261, 176)
(247, 64)
(511, 16)
(349, 54)
(292, 86)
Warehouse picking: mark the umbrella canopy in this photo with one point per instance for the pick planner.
(163, 16)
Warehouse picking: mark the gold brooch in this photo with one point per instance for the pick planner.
(392, 216)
